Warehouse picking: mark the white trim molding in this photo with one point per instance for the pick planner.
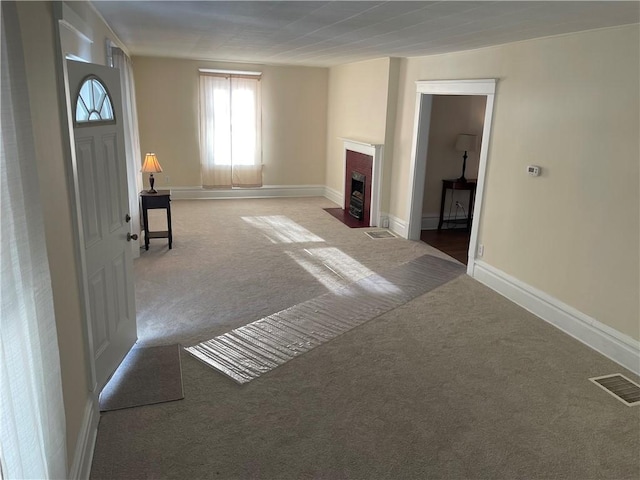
(86, 441)
(266, 191)
(377, 152)
(425, 89)
(614, 345)
(334, 195)
(396, 225)
(430, 221)
(483, 86)
(72, 22)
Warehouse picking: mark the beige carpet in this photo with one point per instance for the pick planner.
(232, 263)
(458, 383)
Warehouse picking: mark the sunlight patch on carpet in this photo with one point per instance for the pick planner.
(281, 229)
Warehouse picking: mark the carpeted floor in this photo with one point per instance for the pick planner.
(236, 261)
(458, 383)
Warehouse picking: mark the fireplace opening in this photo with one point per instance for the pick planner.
(356, 200)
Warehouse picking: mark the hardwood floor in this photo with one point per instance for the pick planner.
(454, 242)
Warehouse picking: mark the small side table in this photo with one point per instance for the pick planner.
(458, 185)
(150, 201)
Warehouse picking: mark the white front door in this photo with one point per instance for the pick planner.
(100, 169)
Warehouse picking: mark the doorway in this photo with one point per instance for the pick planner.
(455, 134)
(421, 155)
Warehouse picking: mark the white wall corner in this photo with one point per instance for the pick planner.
(396, 225)
(614, 345)
(335, 196)
(86, 441)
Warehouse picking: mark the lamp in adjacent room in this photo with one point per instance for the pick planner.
(151, 166)
(465, 143)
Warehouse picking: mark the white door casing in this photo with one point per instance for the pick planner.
(424, 91)
(101, 183)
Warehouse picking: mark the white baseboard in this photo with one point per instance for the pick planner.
(617, 346)
(430, 221)
(397, 225)
(83, 454)
(334, 195)
(266, 191)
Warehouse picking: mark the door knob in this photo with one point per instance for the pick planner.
(131, 237)
(127, 218)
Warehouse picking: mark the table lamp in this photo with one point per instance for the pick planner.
(151, 166)
(465, 143)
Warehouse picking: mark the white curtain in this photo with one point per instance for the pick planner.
(230, 131)
(131, 140)
(32, 421)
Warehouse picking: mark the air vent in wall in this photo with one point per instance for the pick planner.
(625, 390)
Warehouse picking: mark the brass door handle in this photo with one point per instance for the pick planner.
(131, 237)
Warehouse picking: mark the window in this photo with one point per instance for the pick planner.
(230, 130)
(93, 103)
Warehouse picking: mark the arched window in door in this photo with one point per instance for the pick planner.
(93, 103)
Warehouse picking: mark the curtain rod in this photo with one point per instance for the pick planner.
(229, 72)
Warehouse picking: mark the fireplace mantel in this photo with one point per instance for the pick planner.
(376, 151)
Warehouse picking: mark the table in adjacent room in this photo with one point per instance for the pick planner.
(469, 185)
(150, 201)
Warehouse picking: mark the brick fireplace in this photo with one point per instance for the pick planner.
(362, 182)
(357, 193)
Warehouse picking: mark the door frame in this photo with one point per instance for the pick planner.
(425, 89)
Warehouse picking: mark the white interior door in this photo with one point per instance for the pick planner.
(100, 170)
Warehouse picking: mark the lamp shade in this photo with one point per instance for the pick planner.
(466, 143)
(151, 164)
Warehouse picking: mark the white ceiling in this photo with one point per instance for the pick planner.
(329, 33)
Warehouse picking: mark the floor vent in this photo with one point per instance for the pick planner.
(625, 390)
(380, 234)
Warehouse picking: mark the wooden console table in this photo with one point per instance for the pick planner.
(458, 185)
(150, 201)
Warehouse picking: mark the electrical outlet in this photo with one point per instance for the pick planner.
(480, 250)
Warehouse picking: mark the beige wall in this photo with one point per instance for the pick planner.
(450, 116)
(36, 23)
(571, 105)
(358, 94)
(294, 114)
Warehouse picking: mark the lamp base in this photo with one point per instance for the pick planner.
(462, 179)
(151, 182)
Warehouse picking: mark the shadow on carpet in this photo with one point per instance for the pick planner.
(146, 376)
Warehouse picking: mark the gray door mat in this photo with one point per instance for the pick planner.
(257, 348)
(146, 376)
